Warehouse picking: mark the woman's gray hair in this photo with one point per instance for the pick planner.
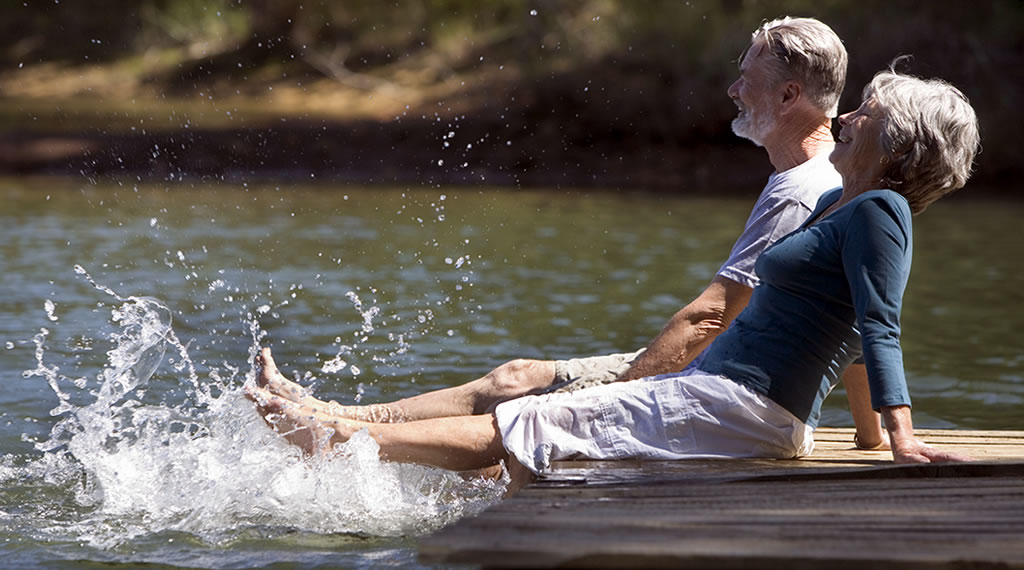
(929, 134)
(810, 52)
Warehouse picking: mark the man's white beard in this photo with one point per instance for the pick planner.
(754, 126)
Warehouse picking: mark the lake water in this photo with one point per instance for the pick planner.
(130, 313)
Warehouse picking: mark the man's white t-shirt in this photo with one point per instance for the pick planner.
(784, 204)
(787, 200)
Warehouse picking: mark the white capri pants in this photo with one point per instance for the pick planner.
(691, 414)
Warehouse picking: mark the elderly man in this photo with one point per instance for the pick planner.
(790, 81)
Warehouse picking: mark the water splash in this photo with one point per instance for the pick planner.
(141, 449)
(368, 314)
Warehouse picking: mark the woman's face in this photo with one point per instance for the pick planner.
(858, 154)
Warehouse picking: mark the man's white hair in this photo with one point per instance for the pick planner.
(808, 51)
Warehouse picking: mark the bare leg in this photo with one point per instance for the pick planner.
(510, 380)
(461, 443)
(519, 476)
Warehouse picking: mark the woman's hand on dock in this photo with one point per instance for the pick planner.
(905, 447)
(914, 450)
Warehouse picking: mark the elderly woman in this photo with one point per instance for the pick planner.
(831, 291)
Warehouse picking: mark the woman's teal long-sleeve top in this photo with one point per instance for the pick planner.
(829, 292)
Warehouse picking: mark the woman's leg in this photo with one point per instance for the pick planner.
(460, 443)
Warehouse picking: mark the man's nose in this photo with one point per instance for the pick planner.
(734, 90)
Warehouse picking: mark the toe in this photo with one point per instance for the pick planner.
(265, 399)
(267, 358)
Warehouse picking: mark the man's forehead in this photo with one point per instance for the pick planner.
(753, 52)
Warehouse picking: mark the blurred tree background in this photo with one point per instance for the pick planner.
(540, 92)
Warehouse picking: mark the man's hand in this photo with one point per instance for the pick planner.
(691, 330)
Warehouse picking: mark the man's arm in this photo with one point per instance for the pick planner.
(691, 330)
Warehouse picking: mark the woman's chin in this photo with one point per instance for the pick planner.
(835, 157)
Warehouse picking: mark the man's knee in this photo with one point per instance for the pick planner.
(514, 379)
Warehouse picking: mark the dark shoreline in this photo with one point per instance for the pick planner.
(636, 100)
(371, 153)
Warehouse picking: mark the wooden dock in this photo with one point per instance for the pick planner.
(839, 508)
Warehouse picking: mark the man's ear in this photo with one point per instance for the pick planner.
(791, 93)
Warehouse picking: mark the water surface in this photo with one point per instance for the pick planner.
(130, 313)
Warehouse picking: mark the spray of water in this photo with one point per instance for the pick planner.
(143, 453)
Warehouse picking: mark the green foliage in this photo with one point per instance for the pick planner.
(190, 22)
(657, 67)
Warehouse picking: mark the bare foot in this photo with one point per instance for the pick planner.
(311, 430)
(276, 383)
(280, 414)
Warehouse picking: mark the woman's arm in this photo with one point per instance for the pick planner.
(870, 434)
(876, 254)
(876, 260)
(905, 447)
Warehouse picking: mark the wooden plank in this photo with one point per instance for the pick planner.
(752, 524)
(841, 508)
(836, 444)
(847, 433)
